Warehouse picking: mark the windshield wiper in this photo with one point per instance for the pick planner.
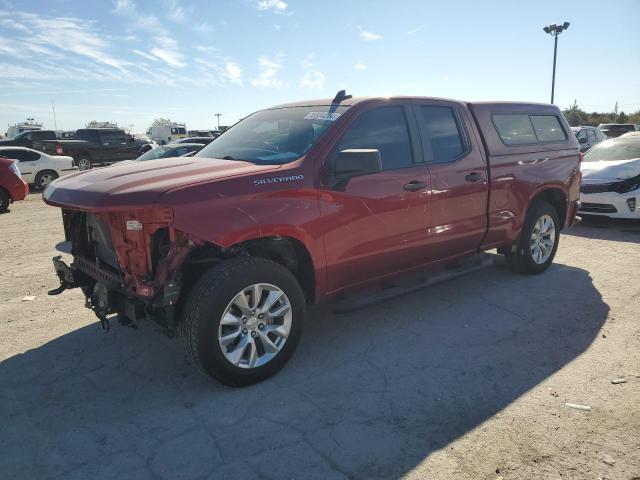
(228, 157)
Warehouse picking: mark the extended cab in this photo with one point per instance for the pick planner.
(30, 139)
(298, 203)
(92, 146)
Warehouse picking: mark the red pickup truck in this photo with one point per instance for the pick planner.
(298, 203)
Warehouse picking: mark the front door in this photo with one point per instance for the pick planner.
(377, 223)
(459, 179)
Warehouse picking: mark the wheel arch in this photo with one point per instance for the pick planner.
(557, 198)
(287, 251)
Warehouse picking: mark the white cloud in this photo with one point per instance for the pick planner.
(167, 51)
(145, 55)
(203, 27)
(268, 72)
(360, 66)
(206, 48)
(175, 12)
(415, 30)
(446, 77)
(124, 6)
(313, 78)
(369, 36)
(67, 34)
(277, 6)
(233, 72)
(277, 27)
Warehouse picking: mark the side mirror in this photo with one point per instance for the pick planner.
(582, 140)
(356, 162)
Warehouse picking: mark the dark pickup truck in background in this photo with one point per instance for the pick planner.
(90, 146)
(300, 203)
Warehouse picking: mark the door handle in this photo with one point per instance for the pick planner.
(414, 186)
(474, 177)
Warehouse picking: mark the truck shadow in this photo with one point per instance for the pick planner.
(604, 228)
(367, 395)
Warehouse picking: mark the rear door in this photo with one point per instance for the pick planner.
(377, 223)
(27, 163)
(459, 192)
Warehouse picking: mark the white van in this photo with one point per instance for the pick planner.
(164, 134)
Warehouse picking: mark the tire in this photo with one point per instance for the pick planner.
(84, 163)
(523, 257)
(218, 293)
(44, 178)
(5, 200)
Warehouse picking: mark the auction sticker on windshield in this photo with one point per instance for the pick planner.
(322, 116)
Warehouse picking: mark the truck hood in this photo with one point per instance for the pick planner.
(592, 172)
(141, 183)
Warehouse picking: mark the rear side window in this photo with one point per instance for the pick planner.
(548, 128)
(515, 129)
(592, 136)
(441, 132)
(524, 129)
(384, 129)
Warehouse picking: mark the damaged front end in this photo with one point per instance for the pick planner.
(125, 262)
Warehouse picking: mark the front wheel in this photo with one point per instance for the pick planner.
(243, 320)
(537, 244)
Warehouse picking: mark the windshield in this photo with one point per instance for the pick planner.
(612, 150)
(275, 136)
(154, 153)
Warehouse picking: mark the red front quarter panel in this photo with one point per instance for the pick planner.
(239, 209)
(12, 183)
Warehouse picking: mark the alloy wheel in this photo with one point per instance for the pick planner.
(255, 326)
(543, 238)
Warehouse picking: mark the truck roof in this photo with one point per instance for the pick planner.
(354, 100)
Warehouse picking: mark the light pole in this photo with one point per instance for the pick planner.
(218, 115)
(554, 30)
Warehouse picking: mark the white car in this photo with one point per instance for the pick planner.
(611, 179)
(37, 168)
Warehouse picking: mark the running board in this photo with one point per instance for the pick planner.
(415, 282)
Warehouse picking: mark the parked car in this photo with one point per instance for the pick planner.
(30, 139)
(630, 134)
(163, 134)
(12, 187)
(611, 178)
(165, 151)
(588, 136)
(93, 146)
(199, 133)
(299, 203)
(612, 130)
(201, 140)
(38, 168)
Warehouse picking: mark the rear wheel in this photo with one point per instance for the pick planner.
(45, 178)
(243, 320)
(5, 200)
(537, 244)
(84, 163)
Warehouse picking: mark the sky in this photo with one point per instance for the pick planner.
(130, 61)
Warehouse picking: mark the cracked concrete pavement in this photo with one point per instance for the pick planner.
(466, 379)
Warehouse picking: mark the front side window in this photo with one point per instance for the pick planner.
(441, 131)
(582, 134)
(383, 129)
(548, 128)
(275, 136)
(515, 129)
